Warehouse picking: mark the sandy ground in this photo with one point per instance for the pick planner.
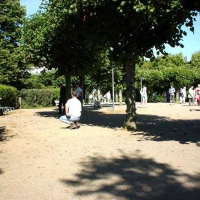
(40, 159)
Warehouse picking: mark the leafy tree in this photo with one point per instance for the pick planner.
(81, 30)
(160, 73)
(55, 38)
(133, 28)
(195, 61)
(195, 66)
(12, 68)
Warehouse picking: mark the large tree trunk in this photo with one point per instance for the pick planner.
(131, 115)
(68, 76)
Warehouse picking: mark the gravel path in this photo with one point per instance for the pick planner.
(40, 159)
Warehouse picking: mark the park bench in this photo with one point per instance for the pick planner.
(57, 102)
(6, 109)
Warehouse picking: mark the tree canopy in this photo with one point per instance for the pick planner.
(74, 34)
(164, 71)
(12, 68)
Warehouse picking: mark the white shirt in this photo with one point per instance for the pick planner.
(108, 95)
(143, 91)
(184, 92)
(191, 93)
(74, 106)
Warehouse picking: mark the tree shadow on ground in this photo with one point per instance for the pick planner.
(133, 178)
(158, 128)
(2, 133)
(51, 113)
(1, 171)
(150, 127)
(111, 120)
(92, 118)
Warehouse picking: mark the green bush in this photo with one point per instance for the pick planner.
(159, 98)
(56, 93)
(36, 98)
(9, 96)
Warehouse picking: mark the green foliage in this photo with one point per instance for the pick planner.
(33, 83)
(12, 58)
(56, 93)
(44, 80)
(70, 35)
(159, 98)
(9, 96)
(36, 98)
(195, 61)
(165, 71)
(50, 78)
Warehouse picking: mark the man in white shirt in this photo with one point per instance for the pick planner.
(73, 110)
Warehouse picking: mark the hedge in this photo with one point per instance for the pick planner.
(56, 93)
(37, 98)
(9, 96)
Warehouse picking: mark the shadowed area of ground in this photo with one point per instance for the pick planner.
(133, 177)
(150, 127)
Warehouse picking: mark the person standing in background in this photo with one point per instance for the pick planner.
(197, 94)
(155, 97)
(108, 96)
(181, 95)
(172, 94)
(143, 93)
(86, 98)
(191, 95)
(79, 92)
(62, 99)
(165, 97)
(184, 94)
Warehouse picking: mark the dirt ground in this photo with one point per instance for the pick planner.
(40, 159)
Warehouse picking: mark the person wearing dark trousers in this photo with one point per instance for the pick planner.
(79, 93)
(62, 99)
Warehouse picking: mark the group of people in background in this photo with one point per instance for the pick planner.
(193, 95)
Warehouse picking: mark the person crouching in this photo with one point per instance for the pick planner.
(72, 112)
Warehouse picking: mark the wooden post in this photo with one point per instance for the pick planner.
(20, 102)
(177, 97)
(120, 98)
(116, 98)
